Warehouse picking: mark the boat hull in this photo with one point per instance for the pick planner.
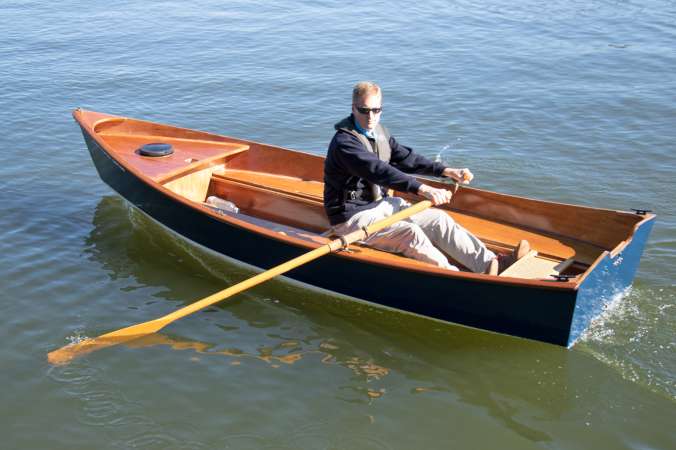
(556, 316)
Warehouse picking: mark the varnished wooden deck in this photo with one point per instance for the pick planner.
(188, 154)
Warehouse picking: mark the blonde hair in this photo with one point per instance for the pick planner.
(363, 88)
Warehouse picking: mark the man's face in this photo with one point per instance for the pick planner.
(369, 119)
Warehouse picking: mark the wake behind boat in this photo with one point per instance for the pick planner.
(581, 256)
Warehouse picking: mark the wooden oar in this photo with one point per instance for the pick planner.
(67, 353)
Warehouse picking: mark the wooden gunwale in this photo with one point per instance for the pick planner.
(88, 121)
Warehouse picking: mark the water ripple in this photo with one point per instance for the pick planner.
(567, 101)
(629, 337)
(104, 406)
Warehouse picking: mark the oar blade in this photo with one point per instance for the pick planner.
(66, 354)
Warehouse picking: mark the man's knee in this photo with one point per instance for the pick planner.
(402, 235)
(411, 233)
(439, 221)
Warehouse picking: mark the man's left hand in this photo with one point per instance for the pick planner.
(438, 196)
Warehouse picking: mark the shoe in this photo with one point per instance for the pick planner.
(499, 264)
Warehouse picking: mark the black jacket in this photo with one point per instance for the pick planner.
(348, 164)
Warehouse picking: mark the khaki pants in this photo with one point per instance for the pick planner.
(417, 236)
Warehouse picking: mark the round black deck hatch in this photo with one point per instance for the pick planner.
(156, 149)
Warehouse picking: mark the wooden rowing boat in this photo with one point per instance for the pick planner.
(582, 256)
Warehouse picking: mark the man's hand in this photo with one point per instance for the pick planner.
(463, 176)
(438, 196)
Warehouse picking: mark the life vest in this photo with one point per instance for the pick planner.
(380, 146)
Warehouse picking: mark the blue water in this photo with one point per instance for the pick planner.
(567, 101)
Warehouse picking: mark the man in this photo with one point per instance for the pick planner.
(364, 161)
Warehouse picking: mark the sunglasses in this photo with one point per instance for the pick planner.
(366, 111)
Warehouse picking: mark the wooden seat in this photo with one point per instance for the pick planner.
(533, 266)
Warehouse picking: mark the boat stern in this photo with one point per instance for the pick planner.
(609, 277)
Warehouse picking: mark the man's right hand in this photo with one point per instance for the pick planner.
(437, 196)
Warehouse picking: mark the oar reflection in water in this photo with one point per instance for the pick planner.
(286, 352)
